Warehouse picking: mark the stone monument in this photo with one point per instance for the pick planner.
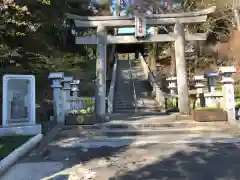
(228, 90)
(18, 105)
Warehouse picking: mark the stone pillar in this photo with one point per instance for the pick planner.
(74, 87)
(228, 90)
(211, 77)
(101, 72)
(172, 85)
(199, 85)
(58, 104)
(182, 81)
(66, 92)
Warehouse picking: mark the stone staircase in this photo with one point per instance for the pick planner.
(124, 90)
(145, 101)
(141, 129)
(123, 97)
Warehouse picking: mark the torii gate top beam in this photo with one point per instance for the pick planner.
(128, 21)
(153, 16)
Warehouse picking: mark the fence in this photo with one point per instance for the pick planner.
(65, 95)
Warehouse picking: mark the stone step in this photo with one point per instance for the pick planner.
(126, 111)
(156, 124)
(118, 124)
(123, 107)
(130, 141)
(146, 107)
(145, 132)
(123, 104)
(148, 110)
(140, 105)
(123, 100)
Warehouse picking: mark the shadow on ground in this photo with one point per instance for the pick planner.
(208, 162)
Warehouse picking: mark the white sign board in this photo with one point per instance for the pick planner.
(140, 25)
(18, 100)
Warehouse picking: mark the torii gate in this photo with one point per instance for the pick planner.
(178, 36)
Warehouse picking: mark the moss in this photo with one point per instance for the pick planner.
(10, 143)
(208, 108)
(237, 91)
(237, 102)
(171, 103)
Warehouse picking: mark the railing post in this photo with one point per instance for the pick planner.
(228, 90)
(58, 106)
(199, 85)
(66, 92)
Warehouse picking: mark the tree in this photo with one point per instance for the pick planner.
(38, 40)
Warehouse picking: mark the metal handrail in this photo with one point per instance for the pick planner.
(133, 84)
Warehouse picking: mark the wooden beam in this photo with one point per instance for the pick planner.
(170, 15)
(133, 40)
(129, 23)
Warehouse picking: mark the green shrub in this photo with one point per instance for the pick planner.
(208, 108)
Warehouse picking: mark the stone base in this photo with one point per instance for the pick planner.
(209, 115)
(87, 119)
(21, 130)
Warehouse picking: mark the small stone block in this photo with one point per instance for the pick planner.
(227, 69)
(74, 89)
(172, 85)
(75, 82)
(227, 80)
(199, 85)
(199, 78)
(56, 75)
(172, 78)
(67, 79)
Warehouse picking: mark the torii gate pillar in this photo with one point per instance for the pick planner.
(100, 105)
(182, 81)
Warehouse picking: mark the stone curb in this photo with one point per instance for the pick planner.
(13, 157)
